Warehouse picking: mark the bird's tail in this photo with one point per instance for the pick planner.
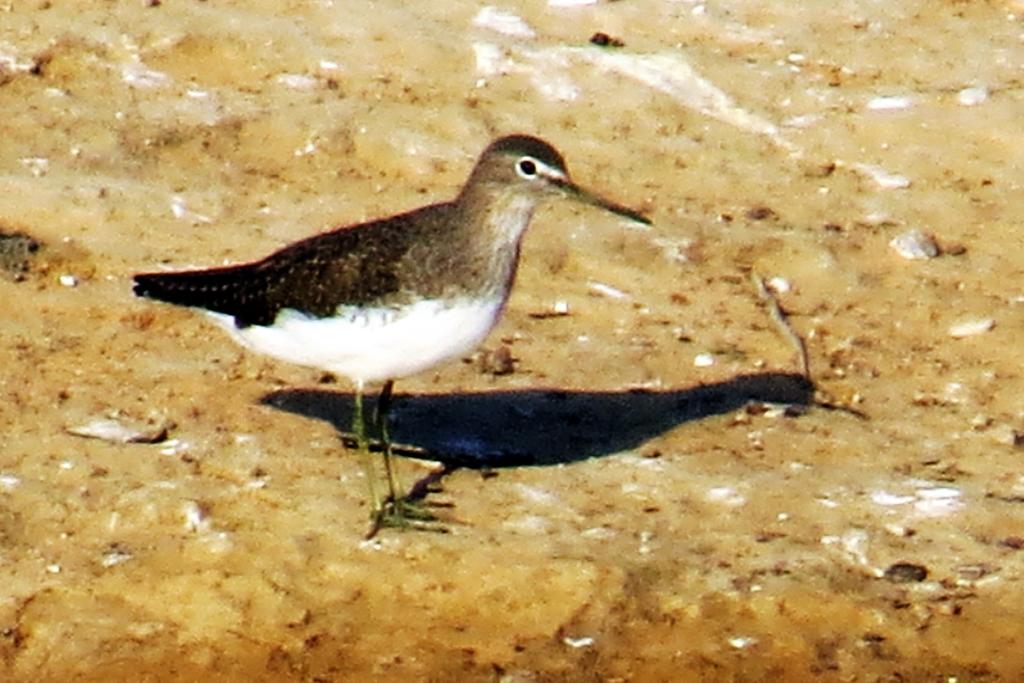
(182, 288)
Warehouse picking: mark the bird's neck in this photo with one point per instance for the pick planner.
(502, 216)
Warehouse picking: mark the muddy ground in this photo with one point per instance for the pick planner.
(652, 492)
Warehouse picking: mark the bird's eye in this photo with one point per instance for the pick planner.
(526, 168)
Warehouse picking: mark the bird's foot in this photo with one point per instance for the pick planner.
(404, 513)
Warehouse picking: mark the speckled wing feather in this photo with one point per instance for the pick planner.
(349, 266)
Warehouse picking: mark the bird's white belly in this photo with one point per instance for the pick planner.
(374, 344)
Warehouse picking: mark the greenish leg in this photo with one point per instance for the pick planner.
(403, 511)
(359, 429)
(380, 415)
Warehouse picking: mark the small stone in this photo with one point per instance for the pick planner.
(915, 245)
(1008, 436)
(741, 642)
(197, 516)
(892, 103)
(601, 289)
(117, 431)
(971, 328)
(585, 641)
(297, 81)
(1012, 542)
(883, 178)
(559, 309)
(906, 572)
(970, 573)
(497, 362)
(980, 422)
(114, 555)
(970, 97)
(761, 213)
(602, 39)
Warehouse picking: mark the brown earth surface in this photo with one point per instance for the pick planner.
(651, 493)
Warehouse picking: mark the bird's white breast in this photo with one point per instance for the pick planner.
(373, 344)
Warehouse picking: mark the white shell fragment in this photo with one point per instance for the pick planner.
(915, 245)
(601, 289)
(779, 285)
(893, 103)
(971, 328)
(970, 97)
(179, 209)
(884, 179)
(741, 642)
(503, 22)
(558, 309)
(585, 641)
(38, 166)
(114, 556)
(196, 517)
(298, 81)
(138, 75)
(703, 360)
(119, 432)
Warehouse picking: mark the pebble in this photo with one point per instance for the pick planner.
(740, 642)
(585, 641)
(915, 245)
(779, 285)
(297, 81)
(906, 572)
(970, 97)
(115, 555)
(971, 328)
(179, 209)
(559, 309)
(892, 103)
(884, 179)
(196, 517)
(601, 289)
(137, 75)
(497, 362)
(116, 431)
(703, 360)
(1008, 436)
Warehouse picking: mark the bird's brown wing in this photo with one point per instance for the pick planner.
(348, 266)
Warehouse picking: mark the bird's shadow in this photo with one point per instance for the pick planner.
(495, 429)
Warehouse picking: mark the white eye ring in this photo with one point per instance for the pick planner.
(528, 168)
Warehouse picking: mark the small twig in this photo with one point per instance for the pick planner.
(779, 317)
(348, 440)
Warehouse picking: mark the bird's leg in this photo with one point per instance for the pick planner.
(402, 511)
(380, 417)
(359, 429)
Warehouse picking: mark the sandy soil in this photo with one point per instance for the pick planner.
(652, 493)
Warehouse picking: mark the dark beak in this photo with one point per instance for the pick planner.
(587, 197)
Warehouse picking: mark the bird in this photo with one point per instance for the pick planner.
(392, 297)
